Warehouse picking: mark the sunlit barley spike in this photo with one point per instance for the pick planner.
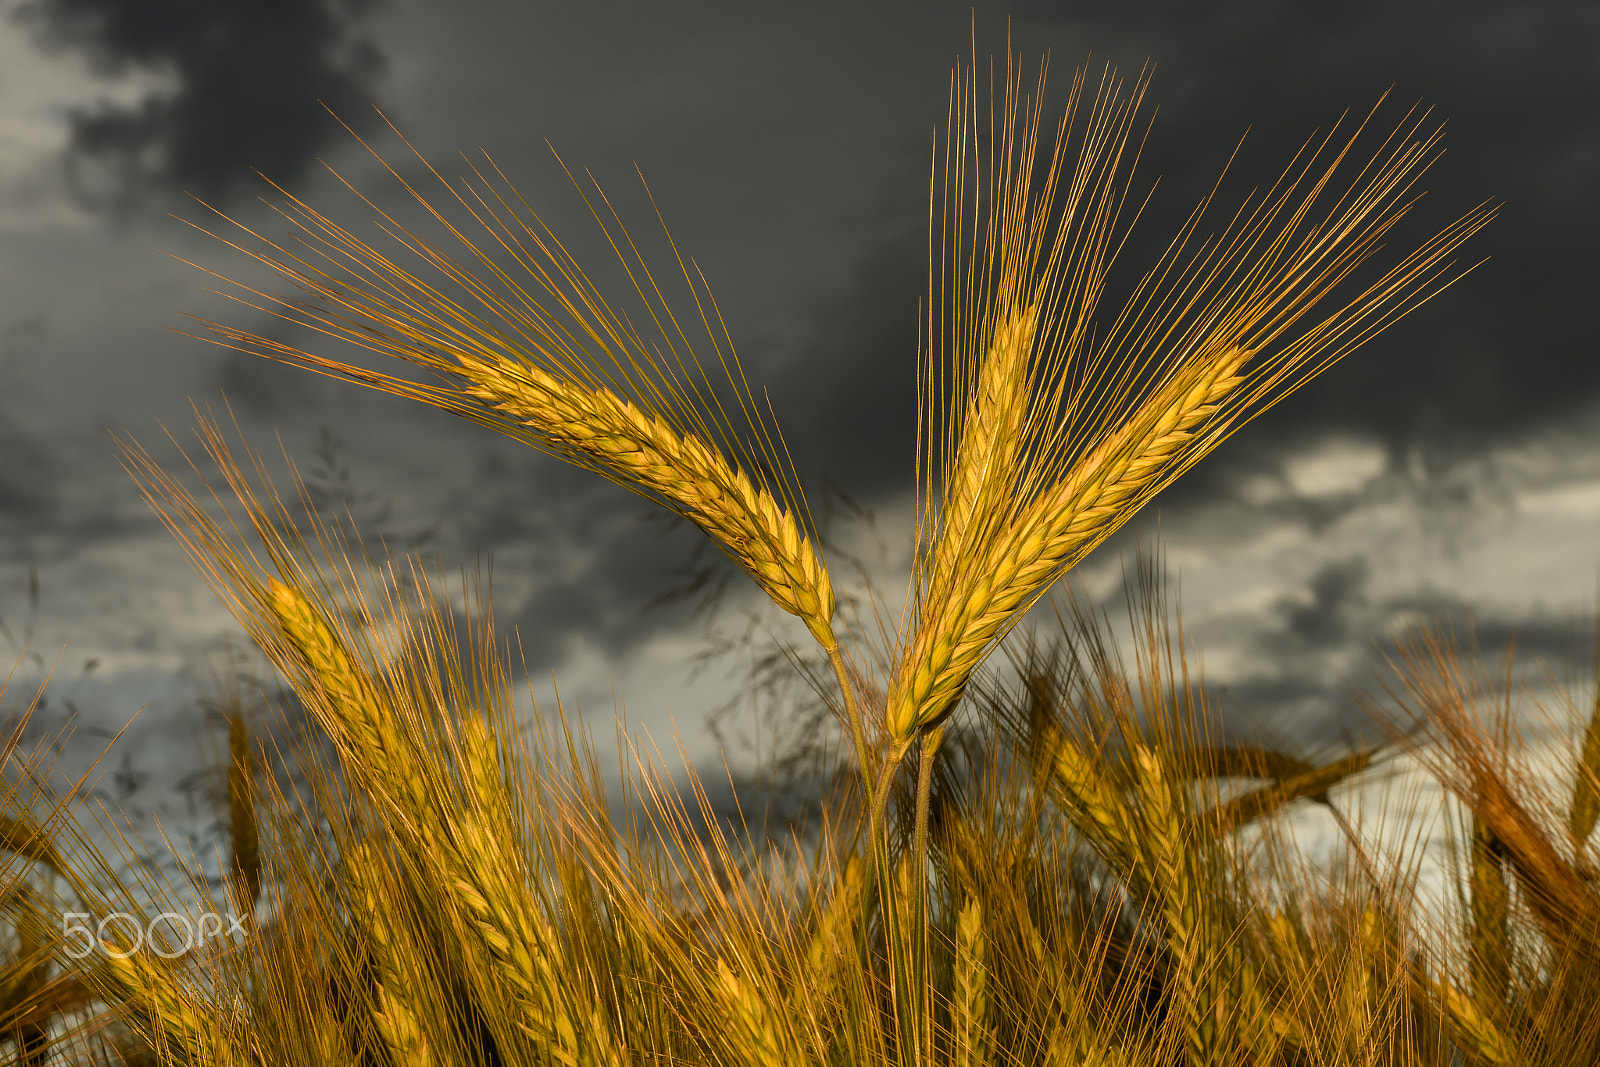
(972, 1038)
(843, 912)
(1312, 783)
(985, 460)
(172, 1015)
(1481, 1033)
(739, 515)
(758, 1035)
(1079, 778)
(486, 869)
(396, 1001)
(959, 627)
(354, 714)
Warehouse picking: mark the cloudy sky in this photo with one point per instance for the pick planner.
(1450, 468)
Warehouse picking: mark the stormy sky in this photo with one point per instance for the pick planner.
(1448, 469)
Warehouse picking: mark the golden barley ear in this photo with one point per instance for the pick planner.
(1041, 436)
(165, 1007)
(972, 1037)
(541, 357)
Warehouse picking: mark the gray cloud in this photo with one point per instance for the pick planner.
(249, 77)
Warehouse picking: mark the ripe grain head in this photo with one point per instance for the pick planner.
(1210, 338)
(544, 359)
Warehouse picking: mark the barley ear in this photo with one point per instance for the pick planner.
(961, 622)
(485, 873)
(758, 1035)
(969, 1014)
(1473, 1028)
(395, 994)
(824, 950)
(979, 485)
(344, 698)
(598, 428)
(1311, 783)
(170, 1013)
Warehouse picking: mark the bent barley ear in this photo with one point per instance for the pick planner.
(545, 360)
(1107, 419)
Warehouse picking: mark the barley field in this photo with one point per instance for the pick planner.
(1041, 845)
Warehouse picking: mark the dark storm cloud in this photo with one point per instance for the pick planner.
(1503, 352)
(604, 556)
(1305, 678)
(1506, 350)
(249, 77)
(847, 405)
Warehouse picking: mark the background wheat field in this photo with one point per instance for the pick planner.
(1445, 471)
